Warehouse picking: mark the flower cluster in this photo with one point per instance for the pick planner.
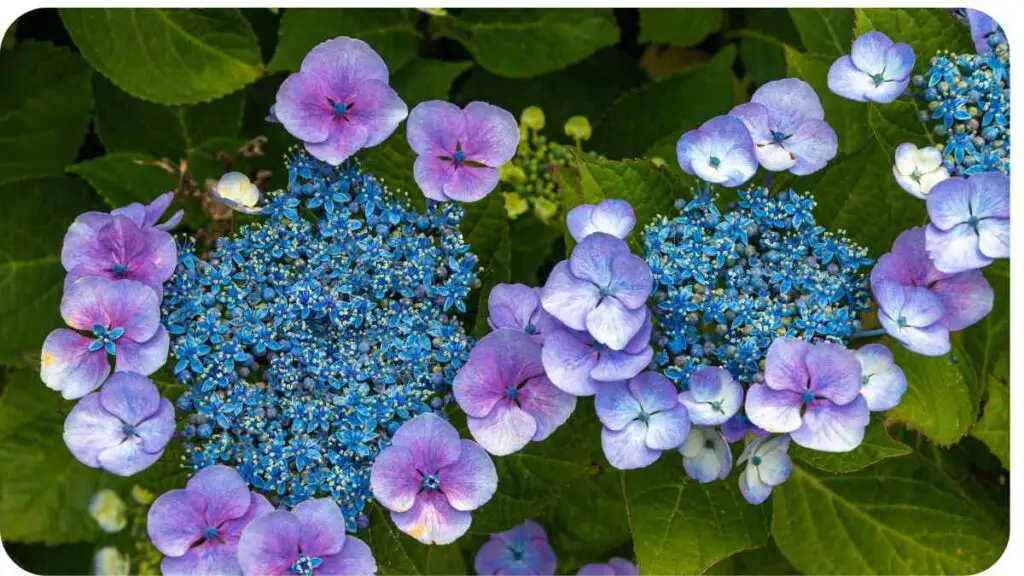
(306, 342)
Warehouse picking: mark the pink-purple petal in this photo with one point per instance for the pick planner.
(68, 366)
(966, 298)
(394, 480)
(344, 61)
(785, 367)
(378, 109)
(627, 449)
(143, 357)
(344, 140)
(813, 144)
(355, 559)
(303, 108)
(835, 372)
(231, 531)
(471, 183)
(433, 442)
(568, 298)
(175, 521)
(613, 324)
(549, 405)
(615, 405)
(89, 430)
(130, 397)
(432, 520)
(322, 531)
(568, 361)
(270, 544)
(203, 560)
(828, 427)
(128, 457)
(226, 493)
(492, 134)
(512, 306)
(776, 411)
(435, 128)
(505, 430)
(469, 482)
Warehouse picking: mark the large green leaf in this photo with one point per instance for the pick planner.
(665, 109)
(877, 446)
(763, 561)
(533, 244)
(423, 79)
(683, 527)
(170, 56)
(392, 33)
(825, 31)
(524, 43)
(125, 177)
(399, 554)
(891, 518)
(988, 342)
(679, 26)
(927, 30)
(33, 221)
(497, 271)
(46, 99)
(847, 117)
(938, 401)
(484, 226)
(993, 427)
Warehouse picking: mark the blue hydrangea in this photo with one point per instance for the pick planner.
(307, 338)
(728, 284)
(968, 98)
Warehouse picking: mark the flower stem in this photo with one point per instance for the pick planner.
(868, 333)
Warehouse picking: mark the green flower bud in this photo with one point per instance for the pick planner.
(515, 206)
(578, 128)
(533, 118)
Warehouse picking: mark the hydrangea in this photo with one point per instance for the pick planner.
(237, 192)
(918, 170)
(883, 382)
(876, 70)
(523, 549)
(578, 364)
(614, 217)
(641, 419)
(970, 222)
(768, 465)
(712, 396)
(304, 343)
(985, 31)
(613, 567)
(517, 306)
(706, 455)
(728, 284)
(721, 151)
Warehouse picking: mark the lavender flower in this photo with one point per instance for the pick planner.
(614, 567)
(339, 101)
(124, 320)
(308, 540)
(768, 466)
(706, 455)
(517, 306)
(812, 392)
(611, 216)
(198, 528)
(642, 418)
(883, 382)
(123, 428)
(970, 222)
(237, 192)
(876, 70)
(602, 288)
(523, 549)
(737, 427)
(913, 316)
(721, 151)
(507, 397)
(578, 364)
(786, 121)
(459, 151)
(147, 215)
(431, 480)
(918, 170)
(713, 396)
(985, 31)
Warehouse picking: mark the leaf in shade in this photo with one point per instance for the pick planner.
(994, 426)
(124, 177)
(679, 26)
(825, 31)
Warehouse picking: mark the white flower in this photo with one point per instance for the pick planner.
(236, 191)
(917, 170)
(107, 508)
(109, 561)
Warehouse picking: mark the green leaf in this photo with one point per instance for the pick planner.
(877, 446)
(825, 31)
(766, 560)
(401, 555)
(123, 178)
(679, 26)
(391, 162)
(847, 117)
(666, 509)
(881, 520)
(422, 80)
(988, 342)
(169, 56)
(762, 56)
(665, 109)
(533, 244)
(524, 43)
(127, 124)
(498, 270)
(994, 426)
(44, 491)
(46, 98)
(35, 217)
(484, 226)
(927, 30)
(938, 401)
(392, 33)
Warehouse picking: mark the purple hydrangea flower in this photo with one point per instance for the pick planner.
(812, 392)
(970, 222)
(123, 319)
(982, 27)
(339, 101)
(786, 121)
(613, 217)
(706, 455)
(918, 170)
(123, 428)
(523, 549)
(431, 480)
(737, 427)
(614, 567)
(713, 396)
(506, 395)
(876, 70)
(883, 382)
(602, 288)
(459, 150)
(308, 540)
(721, 151)
(578, 364)
(197, 528)
(768, 465)
(147, 215)
(965, 297)
(517, 306)
(642, 418)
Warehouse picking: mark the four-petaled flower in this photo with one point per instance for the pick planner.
(641, 419)
(197, 528)
(431, 479)
(917, 170)
(786, 121)
(506, 395)
(970, 222)
(713, 396)
(706, 455)
(602, 288)
(459, 150)
(768, 465)
(308, 540)
(721, 151)
(578, 364)
(517, 306)
(812, 392)
(882, 381)
(523, 549)
(339, 101)
(611, 216)
(876, 70)
(237, 192)
(614, 567)
(123, 319)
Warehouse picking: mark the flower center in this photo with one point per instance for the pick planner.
(716, 405)
(709, 444)
(604, 291)
(643, 417)
(105, 338)
(973, 221)
(431, 483)
(339, 108)
(756, 460)
(517, 554)
(129, 430)
(714, 161)
(119, 269)
(807, 397)
(916, 175)
(878, 79)
(778, 137)
(512, 393)
(901, 322)
(305, 565)
(459, 157)
(210, 533)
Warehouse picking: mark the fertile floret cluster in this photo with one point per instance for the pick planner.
(307, 339)
(727, 285)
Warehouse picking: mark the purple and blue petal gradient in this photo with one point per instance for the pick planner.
(614, 567)
(117, 248)
(737, 427)
(913, 316)
(641, 419)
(614, 217)
(147, 215)
(521, 550)
(883, 382)
(970, 222)
(713, 396)
(706, 455)
(721, 151)
(517, 306)
(876, 70)
(577, 364)
(768, 465)
(458, 150)
(982, 27)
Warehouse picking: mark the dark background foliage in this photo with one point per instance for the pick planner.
(99, 108)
